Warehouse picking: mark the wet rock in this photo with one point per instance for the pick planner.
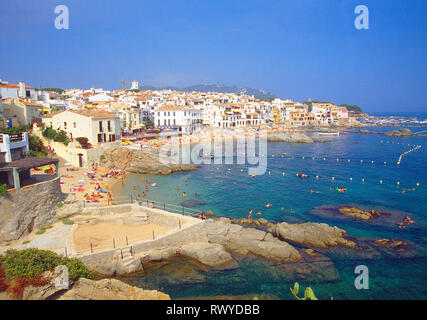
(318, 235)
(293, 137)
(110, 289)
(360, 214)
(192, 203)
(209, 254)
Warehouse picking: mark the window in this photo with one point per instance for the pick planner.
(174, 122)
(158, 122)
(65, 126)
(100, 126)
(169, 114)
(109, 126)
(174, 113)
(74, 125)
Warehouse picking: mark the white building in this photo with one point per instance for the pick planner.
(135, 85)
(15, 91)
(97, 126)
(185, 120)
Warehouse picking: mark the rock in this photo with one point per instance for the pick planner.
(192, 203)
(361, 214)
(318, 235)
(28, 208)
(69, 209)
(110, 289)
(42, 292)
(322, 139)
(399, 133)
(141, 161)
(249, 240)
(209, 254)
(293, 137)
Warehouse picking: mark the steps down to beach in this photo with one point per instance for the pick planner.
(126, 259)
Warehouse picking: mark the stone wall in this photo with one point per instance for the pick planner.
(29, 207)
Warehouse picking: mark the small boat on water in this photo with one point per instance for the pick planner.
(328, 133)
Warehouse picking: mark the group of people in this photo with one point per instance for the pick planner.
(407, 220)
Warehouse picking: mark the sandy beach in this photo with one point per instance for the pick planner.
(101, 235)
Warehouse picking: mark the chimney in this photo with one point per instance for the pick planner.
(21, 92)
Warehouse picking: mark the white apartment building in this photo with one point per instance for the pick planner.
(184, 119)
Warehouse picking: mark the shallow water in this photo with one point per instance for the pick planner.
(233, 193)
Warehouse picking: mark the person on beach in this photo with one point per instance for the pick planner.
(177, 188)
(109, 198)
(184, 194)
(186, 182)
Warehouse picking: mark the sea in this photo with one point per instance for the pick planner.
(364, 164)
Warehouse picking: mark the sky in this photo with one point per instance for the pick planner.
(295, 49)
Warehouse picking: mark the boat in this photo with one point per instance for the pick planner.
(328, 133)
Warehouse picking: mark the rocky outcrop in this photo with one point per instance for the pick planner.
(361, 214)
(399, 133)
(249, 240)
(293, 137)
(70, 207)
(209, 254)
(140, 161)
(28, 208)
(317, 235)
(110, 289)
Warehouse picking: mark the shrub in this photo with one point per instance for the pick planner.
(26, 241)
(101, 157)
(3, 189)
(67, 221)
(49, 133)
(35, 143)
(41, 230)
(60, 204)
(31, 262)
(58, 136)
(82, 140)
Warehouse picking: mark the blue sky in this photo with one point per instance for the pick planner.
(296, 49)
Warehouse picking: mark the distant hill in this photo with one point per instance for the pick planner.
(260, 94)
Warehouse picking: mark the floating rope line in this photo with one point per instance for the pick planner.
(405, 153)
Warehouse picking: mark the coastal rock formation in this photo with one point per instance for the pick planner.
(28, 208)
(249, 240)
(209, 254)
(361, 214)
(317, 235)
(141, 161)
(399, 133)
(293, 137)
(110, 289)
(192, 203)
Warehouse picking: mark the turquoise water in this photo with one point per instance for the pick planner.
(233, 193)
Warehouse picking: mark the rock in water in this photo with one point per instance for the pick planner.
(317, 235)
(289, 137)
(192, 203)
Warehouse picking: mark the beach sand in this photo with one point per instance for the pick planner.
(101, 235)
(70, 179)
